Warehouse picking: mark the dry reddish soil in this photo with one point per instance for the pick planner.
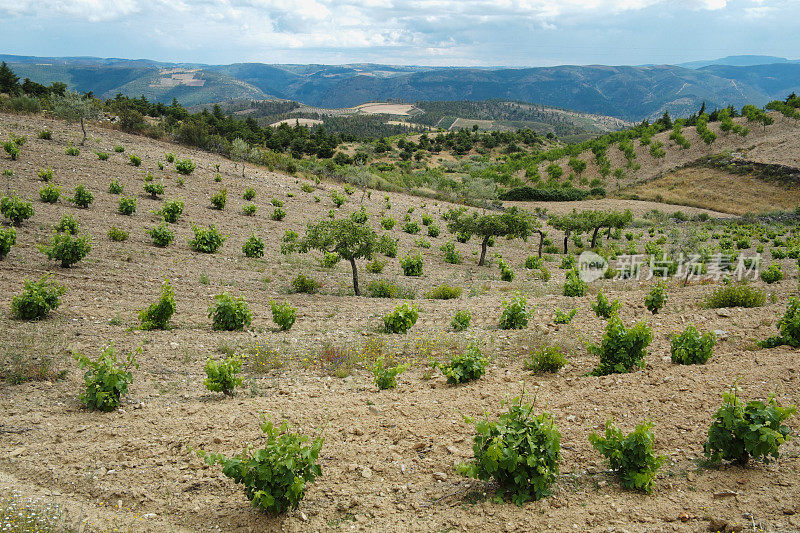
(388, 456)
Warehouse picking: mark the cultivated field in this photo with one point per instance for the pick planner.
(388, 456)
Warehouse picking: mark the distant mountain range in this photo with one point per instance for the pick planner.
(631, 93)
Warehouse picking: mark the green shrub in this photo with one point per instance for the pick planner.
(117, 235)
(249, 194)
(67, 248)
(11, 149)
(338, 199)
(451, 255)
(158, 314)
(223, 375)
(206, 240)
(433, 231)
(631, 457)
(411, 227)
(253, 247)
(506, 273)
(45, 135)
(657, 297)
(8, 238)
(68, 224)
(249, 209)
(72, 150)
(735, 295)
(219, 199)
(520, 450)
(564, 318)
(742, 431)
(385, 375)
(388, 223)
(135, 160)
(171, 210)
(184, 166)
(82, 197)
(387, 246)
(545, 359)
(49, 193)
(119, 148)
(427, 220)
(276, 203)
(305, 285)
(229, 313)
(330, 259)
(772, 274)
(603, 308)
(621, 350)
(274, 477)
(105, 380)
(38, 298)
(443, 292)
(467, 366)
(283, 314)
(15, 209)
(127, 205)
(376, 266)
(574, 285)
(381, 288)
(102, 156)
(533, 262)
(568, 262)
(691, 348)
(114, 187)
(461, 320)
(169, 157)
(154, 189)
(423, 243)
(307, 187)
(401, 319)
(515, 314)
(161, 235)
(788, 327)
(46, 174)
(412, 265)
(278, 214)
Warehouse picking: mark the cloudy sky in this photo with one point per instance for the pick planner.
(421, 32)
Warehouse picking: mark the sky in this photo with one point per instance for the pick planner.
(407, 32)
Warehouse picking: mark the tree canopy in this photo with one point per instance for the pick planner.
(513, 223)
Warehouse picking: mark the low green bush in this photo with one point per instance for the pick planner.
(219, 199)
(443, 292)
(102, 156)
(533, 262)
(305, 284)
(15, 209)
(506, 272)
(249, 209)
(275, 476)
(692, 348)
(117, 235)
(376, 266)
(521, 451)
(401, 319)
(385, 374)
(656, 298)
(82, 197)
(46, 174)
(338, 199)
(206, 240)
(127, 205)
(772, 274)
(461, 320)
(68, 224)
(184, 166)
(119, 148)
(71, 150)
(467, 366)
(411, 265)
(154, 189)
(49, 194)
(388, 223)
(574, 285)
(330, 259)
(387, 246)
(249, 194)
(621, 349)
(631, 456)
(8, 238)
(253, 247)
(545, 359)
(135, 160)
(161, 235)
(515, 314)
(788, 327)
(411, 227)
(451, 255)
(564, 318)
(283, 314)
(223, 376)
(741, 431)
(105, 380)
(278, 214)
(158, 314)
(229, 313)
(171, 211)
(67, 248)
(735, 295)
(38, 298)
(604, 308)
(114, 187)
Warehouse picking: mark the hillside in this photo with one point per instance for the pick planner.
(388, 456)
(630, 93)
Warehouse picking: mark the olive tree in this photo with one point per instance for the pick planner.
(513, 223)
(73, 107)
(240, 150)
(344, 237)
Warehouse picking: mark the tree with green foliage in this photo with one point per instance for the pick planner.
(9, 82)
(73, 107)
(343, 237)
(512, 223)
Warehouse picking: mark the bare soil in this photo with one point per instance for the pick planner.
(388, 456)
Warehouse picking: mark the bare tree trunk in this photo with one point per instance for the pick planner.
(83, 128)
(355, 277)
(484, 244)
(541, 242)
